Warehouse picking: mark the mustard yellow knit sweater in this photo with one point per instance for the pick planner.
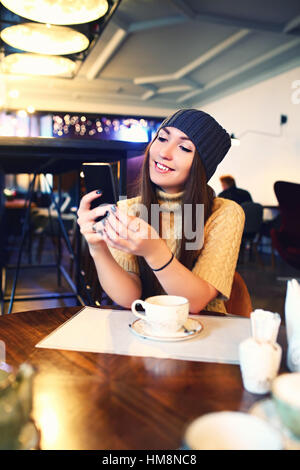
(217, 260)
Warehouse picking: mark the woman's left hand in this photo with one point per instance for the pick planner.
(131, 234)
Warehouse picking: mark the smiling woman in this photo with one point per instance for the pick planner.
(193, 250)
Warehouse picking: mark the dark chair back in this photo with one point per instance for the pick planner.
(286, 240)
(253, 217)
(288, 196)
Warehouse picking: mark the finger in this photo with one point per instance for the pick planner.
(99, 211)
(90, 216)
(91, 227)
(124, 217)
(113, 236)
(87, 199)
(118, 244)
(133, 224)
(109, 229)
(135, 227)
(117, 225)
(97, 227)
(86, 227)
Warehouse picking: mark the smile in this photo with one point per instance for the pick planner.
(162, 168)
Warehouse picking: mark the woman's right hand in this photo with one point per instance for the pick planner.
(87, 220)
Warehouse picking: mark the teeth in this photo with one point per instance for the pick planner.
(162, 167)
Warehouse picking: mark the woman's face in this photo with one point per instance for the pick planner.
(170, 159)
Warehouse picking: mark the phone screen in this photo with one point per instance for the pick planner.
(100, 176)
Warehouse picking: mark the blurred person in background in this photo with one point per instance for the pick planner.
(230, 191)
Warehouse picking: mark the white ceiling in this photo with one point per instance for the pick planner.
(156, 56)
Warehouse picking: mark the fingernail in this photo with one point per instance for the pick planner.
(104, 221)
(99, 191)
(101, 233)
(103, 217)
(114, 208)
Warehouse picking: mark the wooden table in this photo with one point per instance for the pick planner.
(104, 401)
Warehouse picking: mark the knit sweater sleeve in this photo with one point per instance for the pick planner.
(127, 261)
(222, 237)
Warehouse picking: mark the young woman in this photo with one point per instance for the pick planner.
(133, 258)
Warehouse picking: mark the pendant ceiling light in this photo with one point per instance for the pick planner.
(35, 64)
(61, 12)
(44, 39)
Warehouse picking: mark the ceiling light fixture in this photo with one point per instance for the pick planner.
(61, 12)
(36, 64)
(38, 38)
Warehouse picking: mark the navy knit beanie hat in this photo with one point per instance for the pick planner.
(210, 139)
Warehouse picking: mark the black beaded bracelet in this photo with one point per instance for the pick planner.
(165, 265)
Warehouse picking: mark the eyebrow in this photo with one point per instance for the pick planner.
(168, 132)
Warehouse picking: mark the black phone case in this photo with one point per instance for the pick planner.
(99, 176)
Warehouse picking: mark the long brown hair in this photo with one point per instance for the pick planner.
(195, 191)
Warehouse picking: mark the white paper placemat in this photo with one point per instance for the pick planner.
(107, 331)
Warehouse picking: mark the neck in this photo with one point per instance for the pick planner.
(162, 194)
(169, 202)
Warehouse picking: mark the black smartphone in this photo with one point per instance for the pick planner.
(100, 176)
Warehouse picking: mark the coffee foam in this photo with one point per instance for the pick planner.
(166, 301)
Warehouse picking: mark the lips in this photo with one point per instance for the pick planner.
(161, 168)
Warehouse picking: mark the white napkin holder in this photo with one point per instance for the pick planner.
(260, 355)
(292, 320)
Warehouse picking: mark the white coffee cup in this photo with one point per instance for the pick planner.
(164, 314)
(231, 430)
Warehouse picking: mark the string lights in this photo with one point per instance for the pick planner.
(107, 128)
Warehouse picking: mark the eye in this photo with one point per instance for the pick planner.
(185, 149)
(161, 139)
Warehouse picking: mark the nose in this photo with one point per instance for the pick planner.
(166, 152)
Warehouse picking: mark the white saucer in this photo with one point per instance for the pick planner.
(142, 329)
(266, 410)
